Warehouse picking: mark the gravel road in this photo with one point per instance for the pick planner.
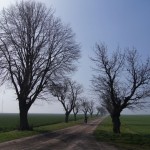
(73, 138)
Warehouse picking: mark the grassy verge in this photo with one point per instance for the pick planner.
(9, 122)
(15, 134)
(135, 133)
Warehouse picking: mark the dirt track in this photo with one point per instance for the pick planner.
(73, 138)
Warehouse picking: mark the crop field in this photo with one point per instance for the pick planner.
(10, 122)
(40, 122)
(135, 132)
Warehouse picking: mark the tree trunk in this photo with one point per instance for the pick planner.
(24, 125)
(116, 123)
(66, 117)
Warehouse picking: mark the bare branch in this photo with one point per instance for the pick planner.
(122, 81)
(35, 47)
(67, 92)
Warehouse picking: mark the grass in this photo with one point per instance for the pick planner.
(10, 122)
(15, 134)
(135, 132)
(41, 123)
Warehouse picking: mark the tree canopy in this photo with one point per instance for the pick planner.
(35, 47)
(122, 80)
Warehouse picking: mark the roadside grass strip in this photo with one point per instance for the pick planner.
(16, 134)
(135, 132)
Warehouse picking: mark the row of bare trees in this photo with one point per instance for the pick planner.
(35, 48)
(101, 111)
(38, 53)
(69, 94)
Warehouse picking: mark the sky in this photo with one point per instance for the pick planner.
(123, 23)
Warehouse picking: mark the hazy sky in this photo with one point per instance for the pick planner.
(123, 23)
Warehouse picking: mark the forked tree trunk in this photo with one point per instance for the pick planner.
(116, 123)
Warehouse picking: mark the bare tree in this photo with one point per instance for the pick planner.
(122, 81)
(101, 111)
(36, 47)
(76, 110)
(91, 108)
(67, 93)
(85, 108)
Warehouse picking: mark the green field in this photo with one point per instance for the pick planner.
(135, 132)
(40, 122)
(10, 122)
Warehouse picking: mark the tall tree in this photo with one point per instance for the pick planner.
(67, 93)
(36, 47)
(122, 81)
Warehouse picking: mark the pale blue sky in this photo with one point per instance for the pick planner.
(124, 23)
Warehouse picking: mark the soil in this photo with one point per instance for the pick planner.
(78, 137)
